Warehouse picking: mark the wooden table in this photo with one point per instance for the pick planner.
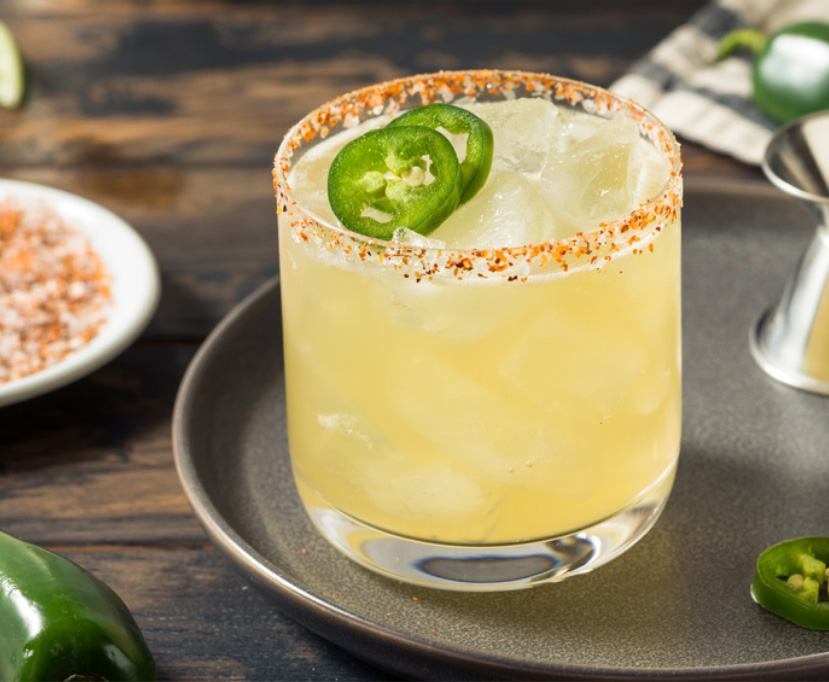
(169, 114)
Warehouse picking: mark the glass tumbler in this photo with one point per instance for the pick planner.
(490, 418)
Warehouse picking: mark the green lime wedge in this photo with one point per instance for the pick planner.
(12, 80)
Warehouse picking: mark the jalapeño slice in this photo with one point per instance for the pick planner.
(394, 177)
(790, 580)
(479, 141)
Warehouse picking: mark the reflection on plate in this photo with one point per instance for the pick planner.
(135, 286)
(752, 471)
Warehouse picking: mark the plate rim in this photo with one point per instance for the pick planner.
(326, 618)
(112, 341)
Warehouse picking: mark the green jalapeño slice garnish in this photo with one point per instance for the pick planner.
(406, 176)
(477, 161)
(790, 580)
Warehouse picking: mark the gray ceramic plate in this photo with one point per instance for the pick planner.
(754, 470)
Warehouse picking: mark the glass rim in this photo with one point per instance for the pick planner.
(349, 109)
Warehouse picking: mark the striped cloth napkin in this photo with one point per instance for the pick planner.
(705, 100)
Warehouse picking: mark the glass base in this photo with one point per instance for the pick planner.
(493, 567)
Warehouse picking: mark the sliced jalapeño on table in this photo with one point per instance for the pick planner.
(408, 173)
(790, 581)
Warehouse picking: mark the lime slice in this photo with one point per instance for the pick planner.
(11, 70)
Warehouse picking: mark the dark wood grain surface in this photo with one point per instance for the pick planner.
(168, 114)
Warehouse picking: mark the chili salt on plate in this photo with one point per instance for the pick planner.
(78, 286)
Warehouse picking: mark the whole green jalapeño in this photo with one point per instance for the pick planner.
(58, 622)
(790, 72)
(790, 581)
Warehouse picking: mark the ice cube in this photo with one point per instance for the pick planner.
(650, 392)
(592, 373)
(433, 491)
(346, 426)
(595, 178)
(648, 173)
(405, 236)
(443, 311)
(508, 211)
(463, 413)
(578, 126)
(525, 130)
(310, 180)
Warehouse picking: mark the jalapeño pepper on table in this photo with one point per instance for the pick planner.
(59, 622)
(790, 580)
(790, 73)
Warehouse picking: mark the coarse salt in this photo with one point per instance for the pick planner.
(54, 290)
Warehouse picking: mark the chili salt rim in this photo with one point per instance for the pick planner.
(583, 249)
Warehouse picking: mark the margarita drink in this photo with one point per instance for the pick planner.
(512, 377)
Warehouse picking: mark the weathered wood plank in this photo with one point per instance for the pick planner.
(92, 462)
(203, 621)
(220, 83)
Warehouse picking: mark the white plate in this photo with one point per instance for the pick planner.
(136, 287)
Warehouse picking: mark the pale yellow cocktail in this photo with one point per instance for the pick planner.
(514, 377)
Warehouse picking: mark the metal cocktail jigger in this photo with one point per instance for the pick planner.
(791, 340)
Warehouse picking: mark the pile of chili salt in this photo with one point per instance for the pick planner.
(54, 290)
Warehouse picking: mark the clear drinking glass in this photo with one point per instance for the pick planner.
(480, 419)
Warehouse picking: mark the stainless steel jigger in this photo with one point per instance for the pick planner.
(791, 341)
